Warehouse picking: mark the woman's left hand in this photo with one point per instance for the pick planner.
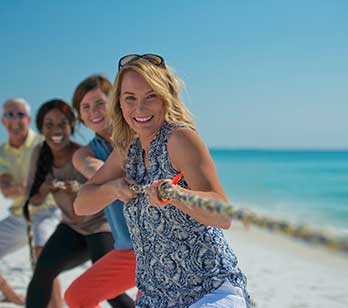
(72, 186)
(151, 193)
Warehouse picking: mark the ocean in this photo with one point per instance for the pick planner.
(297, 186)
(300, 187)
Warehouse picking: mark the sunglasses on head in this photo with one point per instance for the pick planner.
(11, 115)
(153, 59)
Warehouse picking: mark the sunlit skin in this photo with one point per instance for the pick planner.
(92, 111)
(17, 128)
(141, 107)
(56, 130)
(144, 112)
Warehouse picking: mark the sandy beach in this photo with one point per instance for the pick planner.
(288, 273)
(281, 272)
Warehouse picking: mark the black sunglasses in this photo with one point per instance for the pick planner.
(154, 59)
(11, 115)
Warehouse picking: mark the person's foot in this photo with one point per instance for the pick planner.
(15, 299)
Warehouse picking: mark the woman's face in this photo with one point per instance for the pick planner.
(142, 109)
(56, 130)
(92, 110)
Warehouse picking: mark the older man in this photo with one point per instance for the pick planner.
(14, 166)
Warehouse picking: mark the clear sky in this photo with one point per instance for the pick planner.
(264, 74)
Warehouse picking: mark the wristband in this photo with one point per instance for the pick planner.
(175, 181)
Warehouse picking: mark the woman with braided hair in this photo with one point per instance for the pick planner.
(182, 258)
(76, 239)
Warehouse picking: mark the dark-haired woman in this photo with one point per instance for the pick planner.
(76, 239)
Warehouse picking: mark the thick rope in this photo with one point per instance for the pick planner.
(169, 191)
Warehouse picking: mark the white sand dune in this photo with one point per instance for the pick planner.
(282, 273)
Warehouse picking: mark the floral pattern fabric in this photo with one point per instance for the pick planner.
(179, 260)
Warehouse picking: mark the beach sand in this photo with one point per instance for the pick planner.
(288, 273)
(281, 272)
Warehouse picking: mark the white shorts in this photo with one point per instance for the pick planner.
(227, 296)
(13, 230)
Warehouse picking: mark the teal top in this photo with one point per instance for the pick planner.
(114, 211)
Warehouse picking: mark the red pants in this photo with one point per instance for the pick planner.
(109, 277)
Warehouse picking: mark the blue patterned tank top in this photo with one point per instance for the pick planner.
(179, 260)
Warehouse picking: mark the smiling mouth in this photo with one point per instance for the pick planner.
(16, 127)
(143, 119)
(57, 139)
(97, 120)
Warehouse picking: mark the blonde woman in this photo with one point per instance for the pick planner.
(182, 257)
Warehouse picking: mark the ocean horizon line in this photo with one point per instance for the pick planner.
(275, 149)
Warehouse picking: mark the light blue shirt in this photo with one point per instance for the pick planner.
(113, 212)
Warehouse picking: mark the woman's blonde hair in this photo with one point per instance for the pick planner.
(163, 82)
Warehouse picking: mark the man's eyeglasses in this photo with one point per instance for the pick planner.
(154, 59)
(11, 115)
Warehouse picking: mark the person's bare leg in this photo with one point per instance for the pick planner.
(10, 294)
(56, 300)
(56, 297)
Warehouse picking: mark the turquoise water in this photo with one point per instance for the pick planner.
(306, 187)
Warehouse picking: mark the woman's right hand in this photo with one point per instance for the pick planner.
(121, 188)
(47, 187)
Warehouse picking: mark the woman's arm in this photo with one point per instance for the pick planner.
(107, 185)
(85, 162)
(45, 188)
(189, 155)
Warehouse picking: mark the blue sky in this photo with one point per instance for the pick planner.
(264, 74)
